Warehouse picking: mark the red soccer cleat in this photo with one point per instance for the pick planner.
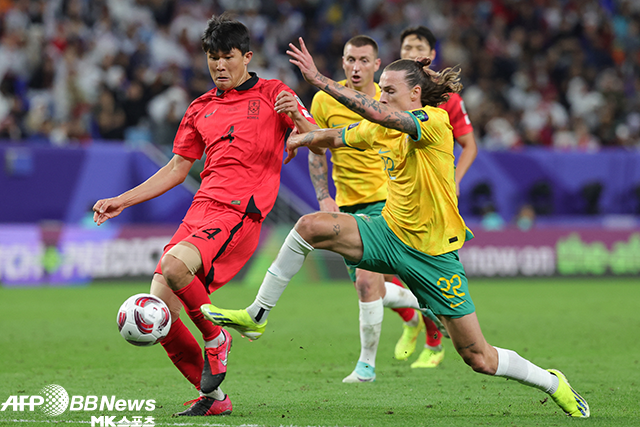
(205, 406)
(215, 365)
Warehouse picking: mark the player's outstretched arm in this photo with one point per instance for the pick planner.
(321, 138)
(354, 100)
(170, 175)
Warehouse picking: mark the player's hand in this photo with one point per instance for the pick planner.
(106, 209)
(328, 204)
(304, 61)
(286, 103)
(293, 143)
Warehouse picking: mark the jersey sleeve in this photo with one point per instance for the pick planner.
(317, 110)
(458, 116)
(432, 127)
(360, 135)
(188, 141)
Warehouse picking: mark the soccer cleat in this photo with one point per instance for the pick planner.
(236, 319)
(434, 318)
(567, 399)
(406, 345)
(215, 365)
(428, 359)
(205, 406)
(364, 373)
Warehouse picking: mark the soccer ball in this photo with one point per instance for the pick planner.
(144, 320)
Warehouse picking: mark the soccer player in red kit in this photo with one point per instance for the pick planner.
(420, 42)
(241, 125)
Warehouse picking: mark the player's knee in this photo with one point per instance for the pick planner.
(309, 228)
(476, 361)
(366, 284)
(173, 270)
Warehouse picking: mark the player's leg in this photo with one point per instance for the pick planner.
(468, 340)
(433, 351)
(321, 230)
(400, 299)
(370, 287)
(180, 344)
(179, 265)
(414, 322)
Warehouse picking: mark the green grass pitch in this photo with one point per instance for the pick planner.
(588, 328)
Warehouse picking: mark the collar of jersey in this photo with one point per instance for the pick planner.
(244, 86)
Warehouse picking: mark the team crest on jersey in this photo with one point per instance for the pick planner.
(352, 125)
(420, 115)
(254, 107)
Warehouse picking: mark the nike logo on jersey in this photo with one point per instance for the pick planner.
(207, 115)
(383, 152)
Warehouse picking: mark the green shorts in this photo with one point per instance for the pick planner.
(371, 209)
(439, 282)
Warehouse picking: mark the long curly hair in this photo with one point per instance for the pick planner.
(436, 86)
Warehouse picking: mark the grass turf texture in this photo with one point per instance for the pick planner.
(588, 328)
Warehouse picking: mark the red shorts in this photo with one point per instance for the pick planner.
(225, 238)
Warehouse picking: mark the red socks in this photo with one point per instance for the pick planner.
(434, 336)
(184, 351)
(193, 296)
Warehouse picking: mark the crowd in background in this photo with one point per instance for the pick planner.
(554, 73)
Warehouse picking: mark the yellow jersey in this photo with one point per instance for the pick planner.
(422, 206)
(358, 175)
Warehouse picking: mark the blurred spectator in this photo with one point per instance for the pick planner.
(556, 73)
(526, 218)
(491, 220)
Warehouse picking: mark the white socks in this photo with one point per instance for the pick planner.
(512, 365)
(288, 262)
(217, 394)
(399, 297)
(371, 314)
(216, 342)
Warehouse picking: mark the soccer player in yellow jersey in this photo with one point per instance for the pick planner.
(420, 230)
(361, 188)
(420, 42)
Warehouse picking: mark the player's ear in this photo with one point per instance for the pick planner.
(247, 58)
(432, 55)
(378, 61)
(416, 92)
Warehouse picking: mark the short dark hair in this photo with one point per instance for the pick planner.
(435, 89)
(362, 40)
(223, 34)
(422, 33)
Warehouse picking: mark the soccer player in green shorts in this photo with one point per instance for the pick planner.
(420, 229)
(361, 187)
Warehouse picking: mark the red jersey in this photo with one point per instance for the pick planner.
(243, 139)
(458, 116)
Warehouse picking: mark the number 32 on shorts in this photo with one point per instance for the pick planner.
(451, 288)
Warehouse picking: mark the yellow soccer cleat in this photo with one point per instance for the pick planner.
(428, 359)
(236, 319)
(567, 399)
(407, 343)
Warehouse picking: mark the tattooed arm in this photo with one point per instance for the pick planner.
(358, 102)
(319, 173)
(321, 138)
